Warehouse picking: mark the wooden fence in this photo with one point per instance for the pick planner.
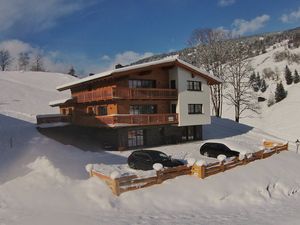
(133, 182)
(214, 168)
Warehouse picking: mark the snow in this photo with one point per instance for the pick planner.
(44, 181)
(221, 158)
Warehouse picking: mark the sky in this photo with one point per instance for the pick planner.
(94, 35)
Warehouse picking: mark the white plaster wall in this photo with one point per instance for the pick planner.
(186, 97)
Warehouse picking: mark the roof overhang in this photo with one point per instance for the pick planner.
(168, 62)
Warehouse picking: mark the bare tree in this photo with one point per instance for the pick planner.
(238, 73)
(5, 59)
(23, 60)
(37, 64)
(211, 54)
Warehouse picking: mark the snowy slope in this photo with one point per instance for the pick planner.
(280, 119)
(25, 94)
(43, 181)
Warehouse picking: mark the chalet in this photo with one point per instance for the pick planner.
(154, 103)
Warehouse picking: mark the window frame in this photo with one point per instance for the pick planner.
(193, 85)
(192, 109)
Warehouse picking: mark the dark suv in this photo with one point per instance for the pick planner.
(145, 159)
(211, 149)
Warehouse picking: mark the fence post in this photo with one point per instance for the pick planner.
(116, 187)
(158, 179)
(202, 172)
(222, 166)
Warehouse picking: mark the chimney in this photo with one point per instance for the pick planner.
(118, 66)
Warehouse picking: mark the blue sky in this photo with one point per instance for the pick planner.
(95, 34)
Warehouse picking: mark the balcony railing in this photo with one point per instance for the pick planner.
(127, 120)
(108, 93)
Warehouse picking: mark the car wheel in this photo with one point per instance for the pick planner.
(206, 154)
(132, 165)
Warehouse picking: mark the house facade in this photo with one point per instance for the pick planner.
(161, 102)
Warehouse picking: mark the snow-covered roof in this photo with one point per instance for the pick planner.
(140, 66)
(58, 102)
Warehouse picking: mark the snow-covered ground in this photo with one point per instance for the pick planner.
(43, 181)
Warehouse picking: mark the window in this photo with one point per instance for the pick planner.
(143, 109)
(194, 85)
(142, 84)
(102, 110)
(90, 110)
(195, 109)
(135, 138)
(70, 111)
(64, 111)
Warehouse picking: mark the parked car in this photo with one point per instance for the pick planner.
(145, 159)
(211, 149)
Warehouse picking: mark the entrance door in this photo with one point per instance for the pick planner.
(188, 133)
(135, 138)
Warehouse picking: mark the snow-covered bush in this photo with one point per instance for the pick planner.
(201, 163)
(190, 162)
(221, 158)
(115, 175)
(242, 155)
(89, 168)
(157, 166)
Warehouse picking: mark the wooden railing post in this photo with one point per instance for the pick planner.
(115, 185)
(202, 171)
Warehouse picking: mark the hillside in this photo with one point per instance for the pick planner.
(43, 181)
(25, 94)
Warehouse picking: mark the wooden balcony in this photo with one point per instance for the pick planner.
(127, 120)
(109, 93)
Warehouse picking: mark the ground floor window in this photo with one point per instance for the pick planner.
(135, 138)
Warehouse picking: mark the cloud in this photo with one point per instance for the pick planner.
(35, 15)
(51, 60)
(241, 27)
(128, 57)
(56, 61)
(105, 58)
(291, 17)
(226, 2)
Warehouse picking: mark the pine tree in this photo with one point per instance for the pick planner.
(258, 80)
(263, 86)
(280, 93)
(296, 77)
(252, 78)
(256, 83)
(288, 76)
